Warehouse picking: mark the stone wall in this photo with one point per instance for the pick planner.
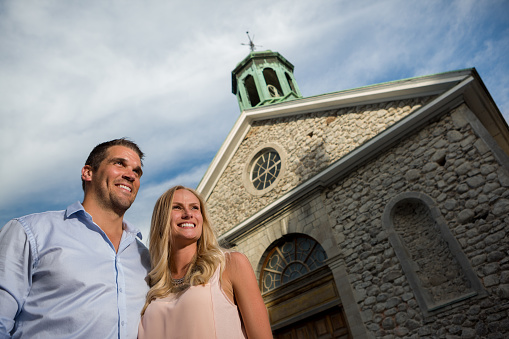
(463, 175)
(308, 217)
(311, 141)
(438, 273)
(448, 162)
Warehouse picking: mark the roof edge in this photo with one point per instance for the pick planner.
(395, 90)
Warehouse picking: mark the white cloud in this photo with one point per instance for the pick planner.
(74, 74)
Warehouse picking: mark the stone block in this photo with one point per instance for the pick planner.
(458, 117)
(503, 291)
(501, 207)
(465, 216)
(481, 146)
(388, 323)
(491, 280)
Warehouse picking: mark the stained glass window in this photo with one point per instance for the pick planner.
(290, 260)
(265, 170)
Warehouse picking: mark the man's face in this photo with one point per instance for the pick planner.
(115, 183)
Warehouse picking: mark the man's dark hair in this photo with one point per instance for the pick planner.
(99, 152)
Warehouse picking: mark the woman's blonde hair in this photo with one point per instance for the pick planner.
(209, 254)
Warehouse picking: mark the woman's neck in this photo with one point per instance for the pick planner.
(181, 259)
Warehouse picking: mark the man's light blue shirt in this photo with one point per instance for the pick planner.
(60, 277)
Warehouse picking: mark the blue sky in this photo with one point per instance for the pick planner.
(76, 73)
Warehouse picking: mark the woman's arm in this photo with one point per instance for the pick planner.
(248, 296)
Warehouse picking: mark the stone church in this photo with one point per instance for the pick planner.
(375, 212)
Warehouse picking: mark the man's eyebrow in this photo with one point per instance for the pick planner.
(123, 161)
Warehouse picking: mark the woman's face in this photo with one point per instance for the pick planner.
(186, 217)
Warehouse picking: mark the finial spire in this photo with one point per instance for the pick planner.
(251, 44)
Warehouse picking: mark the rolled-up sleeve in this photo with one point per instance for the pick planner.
(15, 274)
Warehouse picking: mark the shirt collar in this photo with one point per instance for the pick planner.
(131, 229)
(77, 207)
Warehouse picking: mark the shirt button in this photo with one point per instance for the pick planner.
(120, 290)
(122, 323)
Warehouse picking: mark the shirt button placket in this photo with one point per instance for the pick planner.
(121, 297)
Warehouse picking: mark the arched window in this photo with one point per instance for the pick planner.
(436, 267)
(272, 82)
(290, 82)
(252, 92)
(289, 260)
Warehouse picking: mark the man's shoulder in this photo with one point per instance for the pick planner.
(41, 216)
(34, 228)
(44, 221)
(56, 215)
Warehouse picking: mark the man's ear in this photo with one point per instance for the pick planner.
(86, 173)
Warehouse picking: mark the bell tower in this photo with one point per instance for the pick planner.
(264, 78)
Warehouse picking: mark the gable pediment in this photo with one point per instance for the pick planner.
(317, 136)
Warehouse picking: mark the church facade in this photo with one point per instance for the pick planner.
(380, 211)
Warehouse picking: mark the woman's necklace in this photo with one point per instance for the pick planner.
(181, 281)
(178, 282)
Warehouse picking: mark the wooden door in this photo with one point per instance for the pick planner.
(325, 325)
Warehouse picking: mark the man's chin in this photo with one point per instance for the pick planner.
(120, 207)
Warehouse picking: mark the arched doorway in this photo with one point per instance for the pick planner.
(300, 292)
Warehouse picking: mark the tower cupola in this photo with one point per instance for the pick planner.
(264, 78)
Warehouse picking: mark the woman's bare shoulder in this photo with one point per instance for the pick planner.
(237, 261)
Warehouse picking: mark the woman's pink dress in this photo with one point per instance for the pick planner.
(202, 311)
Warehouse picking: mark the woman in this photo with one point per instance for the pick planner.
(197, 288)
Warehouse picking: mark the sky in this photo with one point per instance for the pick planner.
(76, 73)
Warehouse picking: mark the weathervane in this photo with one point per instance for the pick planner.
(251, 43)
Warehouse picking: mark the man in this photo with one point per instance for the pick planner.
(78, 273)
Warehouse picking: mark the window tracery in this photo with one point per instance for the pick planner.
(290, 260)
(266, 169)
